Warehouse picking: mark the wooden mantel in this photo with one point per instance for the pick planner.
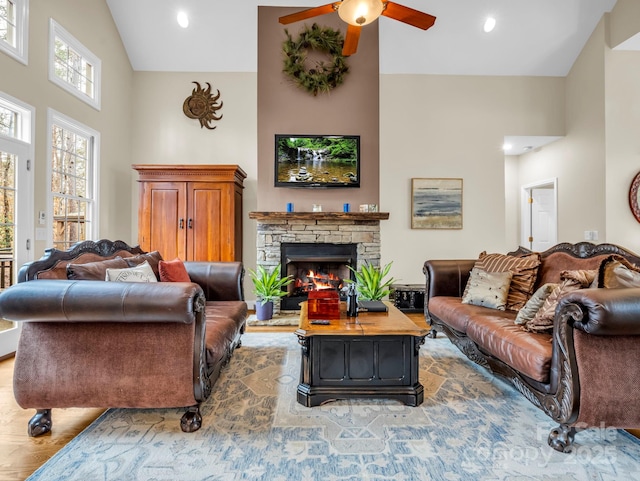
(344, 216)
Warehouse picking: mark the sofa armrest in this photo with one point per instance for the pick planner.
(101, 301)
(220, 281)
(605, 312)
(447, 277)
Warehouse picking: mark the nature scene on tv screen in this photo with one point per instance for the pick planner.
(329, 160)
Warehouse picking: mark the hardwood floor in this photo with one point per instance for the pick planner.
(21, 455)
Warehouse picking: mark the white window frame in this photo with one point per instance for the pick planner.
(26, 121)
(57, 118)
(56, 30)
(19, 51)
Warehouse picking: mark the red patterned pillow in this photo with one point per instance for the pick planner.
(173, 271)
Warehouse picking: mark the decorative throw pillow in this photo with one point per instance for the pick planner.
(617, 272)
(570, 281)
(534, 304)
(487, 289)
(524, 269)
(140, 273)
(153, 258)
(94, 271)
(173, 271)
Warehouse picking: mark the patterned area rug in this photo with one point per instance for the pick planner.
(279, 319)
(470, 427)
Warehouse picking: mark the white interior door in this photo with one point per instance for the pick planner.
(15, 226)
(539, 213)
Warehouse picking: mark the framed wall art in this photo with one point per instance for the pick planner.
(436, 203)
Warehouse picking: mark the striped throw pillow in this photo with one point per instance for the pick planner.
(524, 270)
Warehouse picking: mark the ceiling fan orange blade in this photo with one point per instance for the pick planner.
(310, 12)
(351, 40)
(408, 15)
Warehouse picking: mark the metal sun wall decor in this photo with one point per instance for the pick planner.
(202, 105)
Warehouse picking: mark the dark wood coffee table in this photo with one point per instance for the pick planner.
(374, 355)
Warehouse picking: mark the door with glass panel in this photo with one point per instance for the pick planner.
(15, 206)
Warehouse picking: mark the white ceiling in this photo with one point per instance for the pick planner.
(532, 37)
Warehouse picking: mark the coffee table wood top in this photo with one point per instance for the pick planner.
(390, 323)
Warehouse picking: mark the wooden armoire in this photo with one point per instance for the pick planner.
(193, 212)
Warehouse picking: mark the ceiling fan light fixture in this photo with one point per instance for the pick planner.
(183, 19)
(489, 24)
(360, 12)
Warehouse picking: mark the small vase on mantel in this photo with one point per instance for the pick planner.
(264, 310)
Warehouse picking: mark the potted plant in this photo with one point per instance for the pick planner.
(370, 281)
(268, 288)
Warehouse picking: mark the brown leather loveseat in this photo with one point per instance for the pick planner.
(584, 371)
(93, 343)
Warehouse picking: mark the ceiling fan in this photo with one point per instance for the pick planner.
(358, 13)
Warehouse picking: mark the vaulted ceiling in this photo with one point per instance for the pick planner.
(531, 37)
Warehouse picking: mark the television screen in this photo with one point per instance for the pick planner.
(317, 161)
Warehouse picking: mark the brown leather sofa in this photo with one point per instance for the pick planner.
(585, 373)
(93, 343)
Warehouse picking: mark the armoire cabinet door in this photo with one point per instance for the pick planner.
(163, 219)
(205, 228)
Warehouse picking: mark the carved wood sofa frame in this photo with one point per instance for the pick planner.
(581, 316)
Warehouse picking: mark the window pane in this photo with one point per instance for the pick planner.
(8, 22)
(7, 217)
(69, 183)
(8, 122)
(73, 68)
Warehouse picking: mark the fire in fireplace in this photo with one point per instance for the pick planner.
(315, 267)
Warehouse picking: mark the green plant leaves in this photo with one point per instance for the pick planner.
(370, 281)
(268, 284)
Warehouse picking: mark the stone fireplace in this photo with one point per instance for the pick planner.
(315, 266)
(322, 242)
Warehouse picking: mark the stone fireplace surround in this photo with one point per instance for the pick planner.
(359, 228)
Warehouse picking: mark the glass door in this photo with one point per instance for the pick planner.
(15, 208)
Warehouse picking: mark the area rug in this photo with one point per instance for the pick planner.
(278, 319)
(471, 426)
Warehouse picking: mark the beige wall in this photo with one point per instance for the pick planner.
(163, 134)
(91, 23)
(622, 145)
(624, 22)
(454, 126)
(577, 160)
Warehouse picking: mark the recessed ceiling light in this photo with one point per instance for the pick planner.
(507, 147)
(489, 24)
(183, 19)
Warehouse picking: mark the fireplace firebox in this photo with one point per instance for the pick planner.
(315, 267)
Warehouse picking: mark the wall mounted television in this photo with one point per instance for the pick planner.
(317, 160)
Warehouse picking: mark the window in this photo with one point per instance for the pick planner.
(14, 28)
(15, 120)
(73, 185)
(72, 66)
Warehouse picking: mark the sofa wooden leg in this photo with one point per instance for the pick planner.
(40, 423)
(561, 438)
(191, 420)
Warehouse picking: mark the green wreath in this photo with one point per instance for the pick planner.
(323, 77)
